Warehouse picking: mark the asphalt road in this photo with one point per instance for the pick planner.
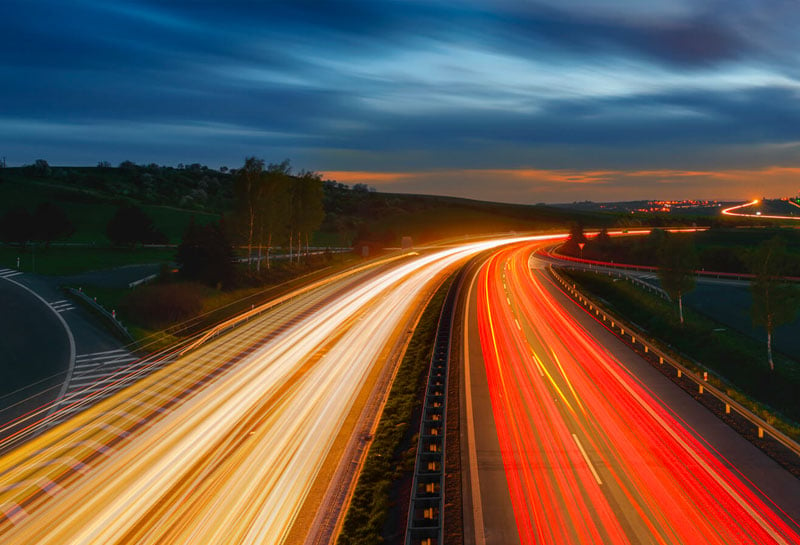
(223, 445)
(596, 445)
(31, 370)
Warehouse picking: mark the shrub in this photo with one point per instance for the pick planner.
(160, 305)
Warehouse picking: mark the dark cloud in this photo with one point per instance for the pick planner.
(401, 84)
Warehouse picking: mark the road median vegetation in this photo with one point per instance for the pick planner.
(379, 506)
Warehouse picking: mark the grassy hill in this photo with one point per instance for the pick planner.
(172, 196)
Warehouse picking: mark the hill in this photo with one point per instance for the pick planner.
(172, 196)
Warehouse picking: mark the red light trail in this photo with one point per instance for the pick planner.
(590, 454)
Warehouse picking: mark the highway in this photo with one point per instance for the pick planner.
(224, 445)
(572, 438)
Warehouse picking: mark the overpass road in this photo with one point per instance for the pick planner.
(573, 438)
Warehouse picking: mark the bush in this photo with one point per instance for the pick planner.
(160, 305)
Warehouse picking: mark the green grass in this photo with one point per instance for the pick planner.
(66, 260)
(89, 210)
(389, 459)
(737, 359)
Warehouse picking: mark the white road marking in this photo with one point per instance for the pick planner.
(586, 457)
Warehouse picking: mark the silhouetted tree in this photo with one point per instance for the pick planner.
(205, 254)
(576, 238)
(775, 302)
(16, 226)
(248, 190)
(273, 206)
(50, 223)
(41, 168)
(130, 225)
(677, 261)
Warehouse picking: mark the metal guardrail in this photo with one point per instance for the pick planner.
(109, 317)
(628, 332)
(426, 509)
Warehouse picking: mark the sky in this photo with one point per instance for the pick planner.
(514, 101)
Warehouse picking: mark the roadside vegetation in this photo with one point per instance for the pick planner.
(378, 509)
(736, 359)
(717, 249)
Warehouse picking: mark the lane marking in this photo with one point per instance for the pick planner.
(115, 351)
(586, 457)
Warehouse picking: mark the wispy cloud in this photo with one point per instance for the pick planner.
(568, 93)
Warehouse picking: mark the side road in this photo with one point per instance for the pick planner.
(49, 347)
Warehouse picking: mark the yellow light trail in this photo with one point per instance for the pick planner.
(223, 445)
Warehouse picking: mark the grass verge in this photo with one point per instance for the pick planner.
(738, 361)
(66, 260)
(390, 461)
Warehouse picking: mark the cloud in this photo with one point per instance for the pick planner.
(537, 185)
(407, 85)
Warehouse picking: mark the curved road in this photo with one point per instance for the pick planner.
(31, 371)
(225, 444)
(572, 438)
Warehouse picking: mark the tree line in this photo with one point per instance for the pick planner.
(274, 207)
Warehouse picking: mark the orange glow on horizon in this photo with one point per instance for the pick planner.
(734, 179)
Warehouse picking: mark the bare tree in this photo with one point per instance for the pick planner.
(677, 261)
(775, 302)
(248, 187)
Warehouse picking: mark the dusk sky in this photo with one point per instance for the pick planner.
(519, 101)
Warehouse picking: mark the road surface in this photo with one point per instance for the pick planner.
(223, 445)
(588, 443)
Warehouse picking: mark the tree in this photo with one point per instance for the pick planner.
(576, 237)
(16, 226)
(273, 206)
(677, 261)
(130, 225)
(205, 254)
(601, 244)
(247, 189)
(775, 302)
(50, 223)
(41, 168)
(310, 194)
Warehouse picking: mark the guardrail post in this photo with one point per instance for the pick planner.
(760, 432)
(727, 408)
(679, 373)
(700, 389)
(661, 360)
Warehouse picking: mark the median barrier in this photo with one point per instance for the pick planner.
(426, 509)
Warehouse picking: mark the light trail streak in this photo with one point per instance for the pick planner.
(590, 455)
(223, 445)
(730, 212)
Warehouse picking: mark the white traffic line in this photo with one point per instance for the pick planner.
(89, 365)
(105, 360)
(586, 457)
(115, 351)
(9, 273)
(96, 357)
